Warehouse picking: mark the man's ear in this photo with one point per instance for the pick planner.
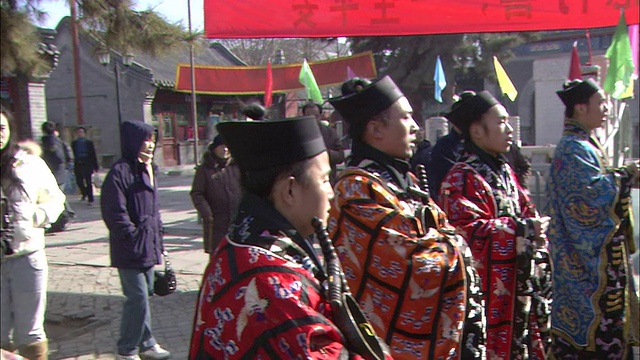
(283, 192)
(475, 130)
(580, 108)
(374, 128)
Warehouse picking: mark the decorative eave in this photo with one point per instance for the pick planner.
(164, 84)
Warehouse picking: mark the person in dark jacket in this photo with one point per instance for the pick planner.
(216, 192)
(520, 164)
(443, 155)
(85, 163)
(130, 209)
(57, 154)
(422, 153)
(330, 137)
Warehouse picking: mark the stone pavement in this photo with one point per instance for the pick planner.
(84, 294)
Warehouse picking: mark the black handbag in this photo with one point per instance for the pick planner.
(165, 281)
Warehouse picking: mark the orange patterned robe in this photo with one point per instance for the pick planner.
(410, 280)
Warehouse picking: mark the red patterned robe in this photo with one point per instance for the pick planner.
(410, 280)
(261, 295)
(484, 201)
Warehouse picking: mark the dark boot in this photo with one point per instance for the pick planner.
(35, 351)
(8, 347)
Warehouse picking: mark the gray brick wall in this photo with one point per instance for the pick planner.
(100, 108)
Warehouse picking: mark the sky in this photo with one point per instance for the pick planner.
(172, 10)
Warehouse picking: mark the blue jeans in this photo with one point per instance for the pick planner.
(135, 325)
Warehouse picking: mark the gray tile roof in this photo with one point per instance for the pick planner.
(164, 68)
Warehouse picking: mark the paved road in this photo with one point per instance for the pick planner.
(85, 299)
(84, 295)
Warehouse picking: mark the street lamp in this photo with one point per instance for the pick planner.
(104, 57)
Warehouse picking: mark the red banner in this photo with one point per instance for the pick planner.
(333, 18)
(244, 80)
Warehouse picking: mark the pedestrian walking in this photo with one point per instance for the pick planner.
(85, 163)
(129, 203)
(31, 199)
(57, 154)
(215, 192)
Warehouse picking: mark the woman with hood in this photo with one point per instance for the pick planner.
(31, 200)
(216, 192)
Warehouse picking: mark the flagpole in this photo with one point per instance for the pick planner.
(306, 83)
(194, 108)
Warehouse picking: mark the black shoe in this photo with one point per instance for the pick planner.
(84, 197)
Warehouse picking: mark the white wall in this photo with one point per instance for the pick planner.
(549, 74)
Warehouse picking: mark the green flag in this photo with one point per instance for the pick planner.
(306, 78)
(621, 68)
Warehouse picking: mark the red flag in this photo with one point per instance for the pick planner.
(269, 89)
(575, 72)
(225, 19)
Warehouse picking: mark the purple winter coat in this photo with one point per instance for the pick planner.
(129, 205)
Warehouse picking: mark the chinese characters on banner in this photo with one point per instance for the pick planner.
(331, 18)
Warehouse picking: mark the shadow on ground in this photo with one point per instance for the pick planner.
(86, 326)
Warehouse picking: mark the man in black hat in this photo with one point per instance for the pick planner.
(261, 294)
(449, 147)
(402, 259)
(595, 307)
(487, 205)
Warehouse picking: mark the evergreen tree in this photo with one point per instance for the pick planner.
(114, 24)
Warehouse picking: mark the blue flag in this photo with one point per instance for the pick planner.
(439, 80)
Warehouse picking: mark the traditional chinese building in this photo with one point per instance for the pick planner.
(24, 94)
(142, 90)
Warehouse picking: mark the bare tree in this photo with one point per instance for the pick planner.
(258, 51)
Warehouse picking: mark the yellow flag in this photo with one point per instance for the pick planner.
(506, 86)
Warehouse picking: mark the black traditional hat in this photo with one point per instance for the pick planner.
(310, 104)
(577, 92)
(217, 141)
(257, 145)
(254, 111)
(470, 108)
(367, 102)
